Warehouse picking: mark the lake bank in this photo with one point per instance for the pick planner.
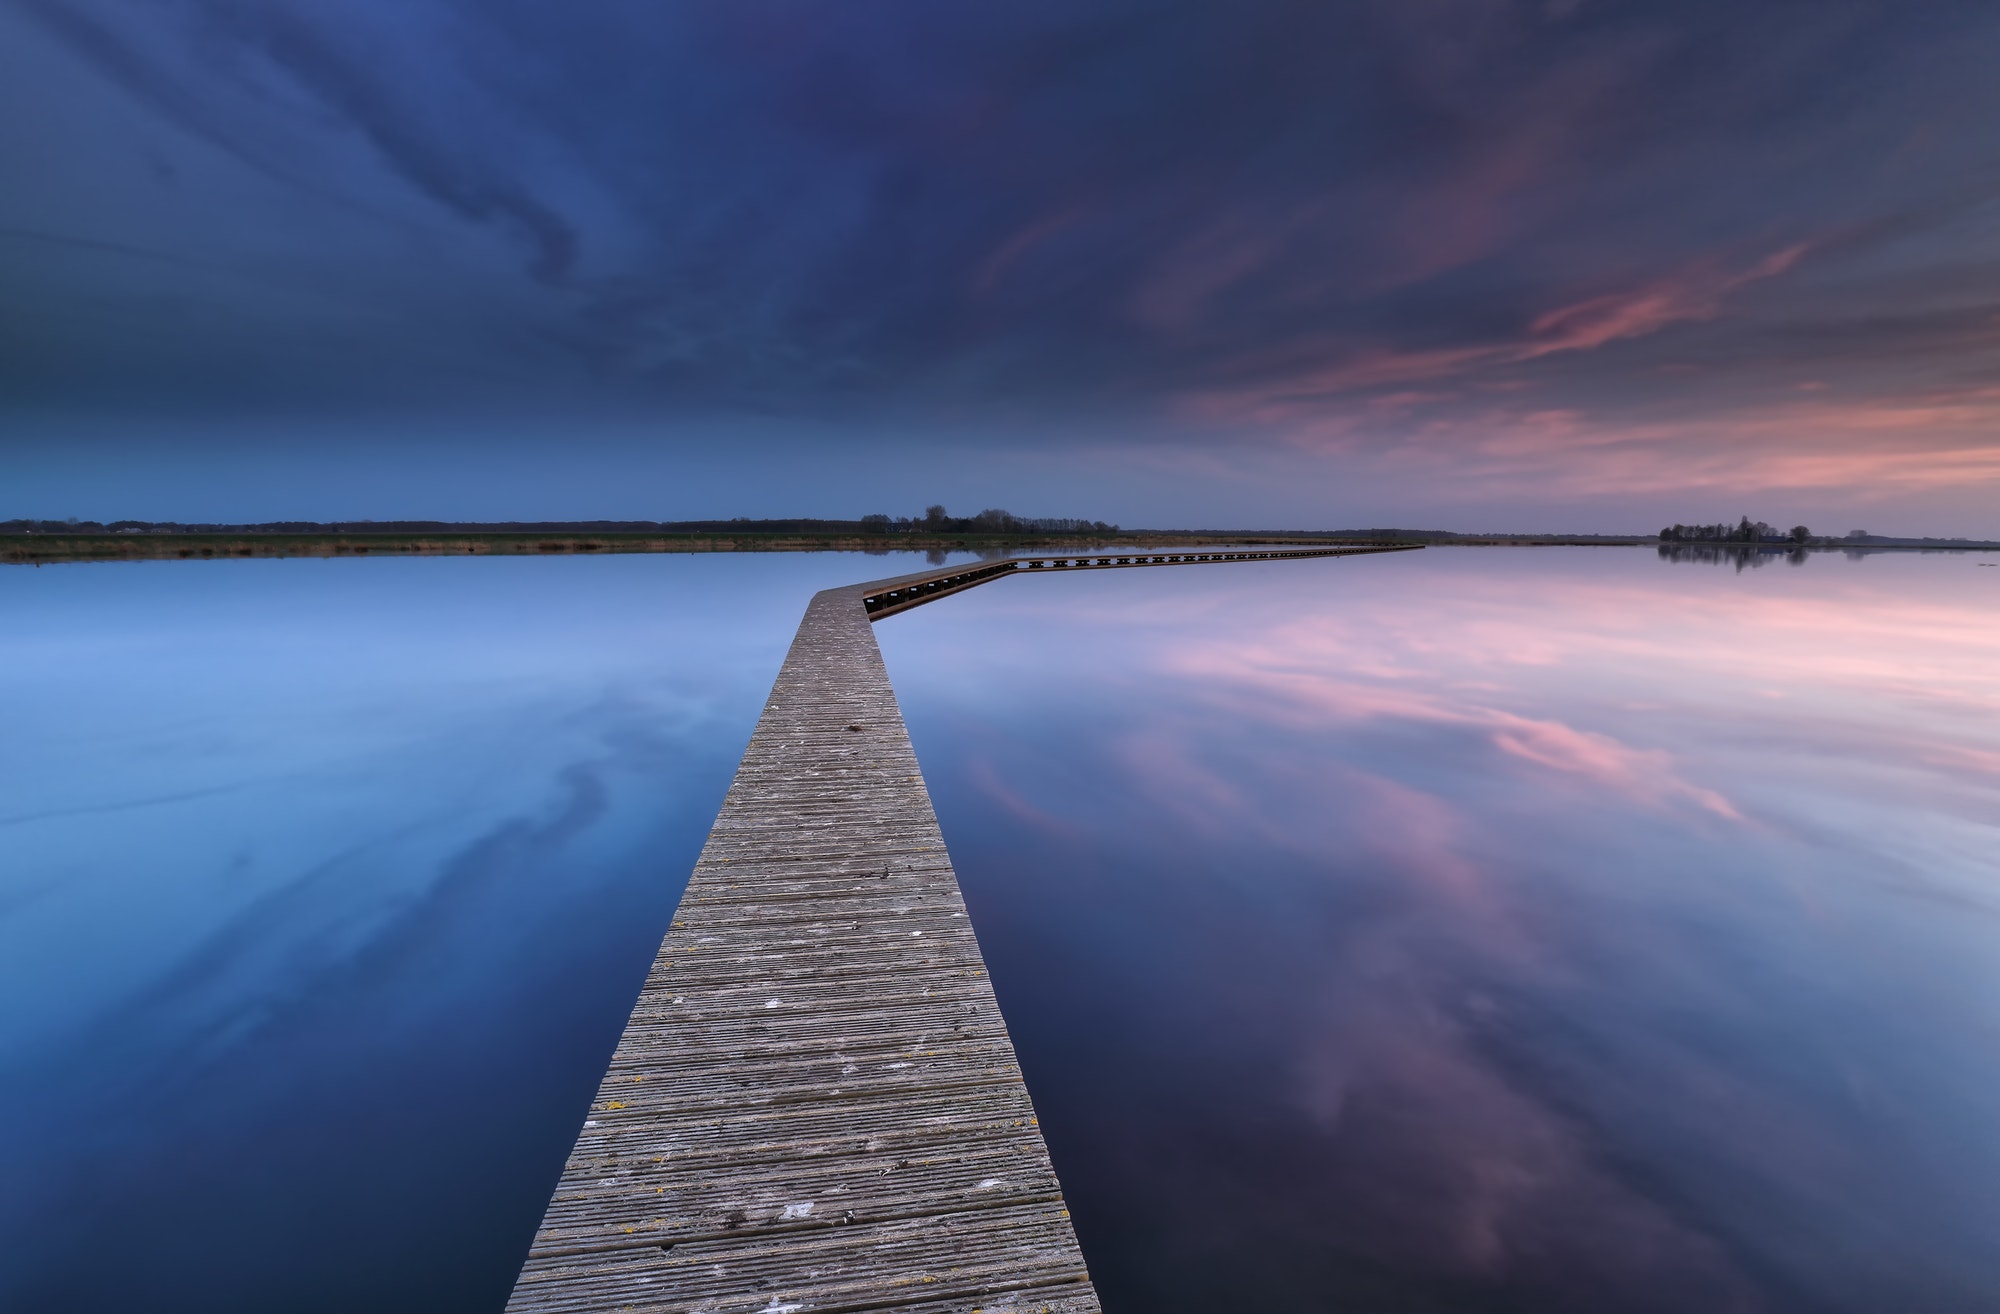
(52, 549)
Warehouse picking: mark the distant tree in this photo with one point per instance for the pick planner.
(874, 524)
(1800, 534)
(934, 516)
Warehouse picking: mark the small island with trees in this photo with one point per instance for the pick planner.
(1753, 543)
(1744, 531)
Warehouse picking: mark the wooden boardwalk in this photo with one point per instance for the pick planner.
(815, 1106)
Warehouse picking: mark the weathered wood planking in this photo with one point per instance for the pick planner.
(887, 597)
(815, 1105)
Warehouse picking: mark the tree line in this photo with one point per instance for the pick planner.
(1745, 530)
(933, 521)
(936, 520)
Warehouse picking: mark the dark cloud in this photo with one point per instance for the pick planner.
(1170, 212)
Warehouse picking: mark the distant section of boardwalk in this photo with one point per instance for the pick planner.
(815, 1105)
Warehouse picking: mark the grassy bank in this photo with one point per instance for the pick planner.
(45, 549)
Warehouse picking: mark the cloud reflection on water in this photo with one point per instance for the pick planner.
(1556, 930)
(325, 888)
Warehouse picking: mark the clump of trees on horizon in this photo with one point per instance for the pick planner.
(1744, 531)
(936, 520)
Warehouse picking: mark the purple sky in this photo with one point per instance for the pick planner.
(1591, 264)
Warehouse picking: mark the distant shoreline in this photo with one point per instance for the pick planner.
(55, 548)
(41, 549)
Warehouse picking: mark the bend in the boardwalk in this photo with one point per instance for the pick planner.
(815, 1105)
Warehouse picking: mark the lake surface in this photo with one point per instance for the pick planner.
(1471, 929)
(325, 888)
(1493, 929)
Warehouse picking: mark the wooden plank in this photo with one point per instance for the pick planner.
(815, 1105)
(890, 596)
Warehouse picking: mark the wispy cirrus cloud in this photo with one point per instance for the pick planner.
(1692, 295)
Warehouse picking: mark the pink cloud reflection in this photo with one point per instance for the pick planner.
(1470, 1034)
(1571, 675)
(1465, 1172)
(1296, 674)
(1645, 774)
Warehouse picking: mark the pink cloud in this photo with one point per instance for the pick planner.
(1509, 174)
(1172, 298)
(1872, 448)
(994, 268)
(1697, 293)
(1694, 295)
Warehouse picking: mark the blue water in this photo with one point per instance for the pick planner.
(1471, 929)
(1485, 929)
(325, 887)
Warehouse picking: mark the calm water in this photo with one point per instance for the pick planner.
(325, 887)
(1470, 929)
(1485, 929)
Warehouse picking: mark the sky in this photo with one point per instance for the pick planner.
(1470, 264)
